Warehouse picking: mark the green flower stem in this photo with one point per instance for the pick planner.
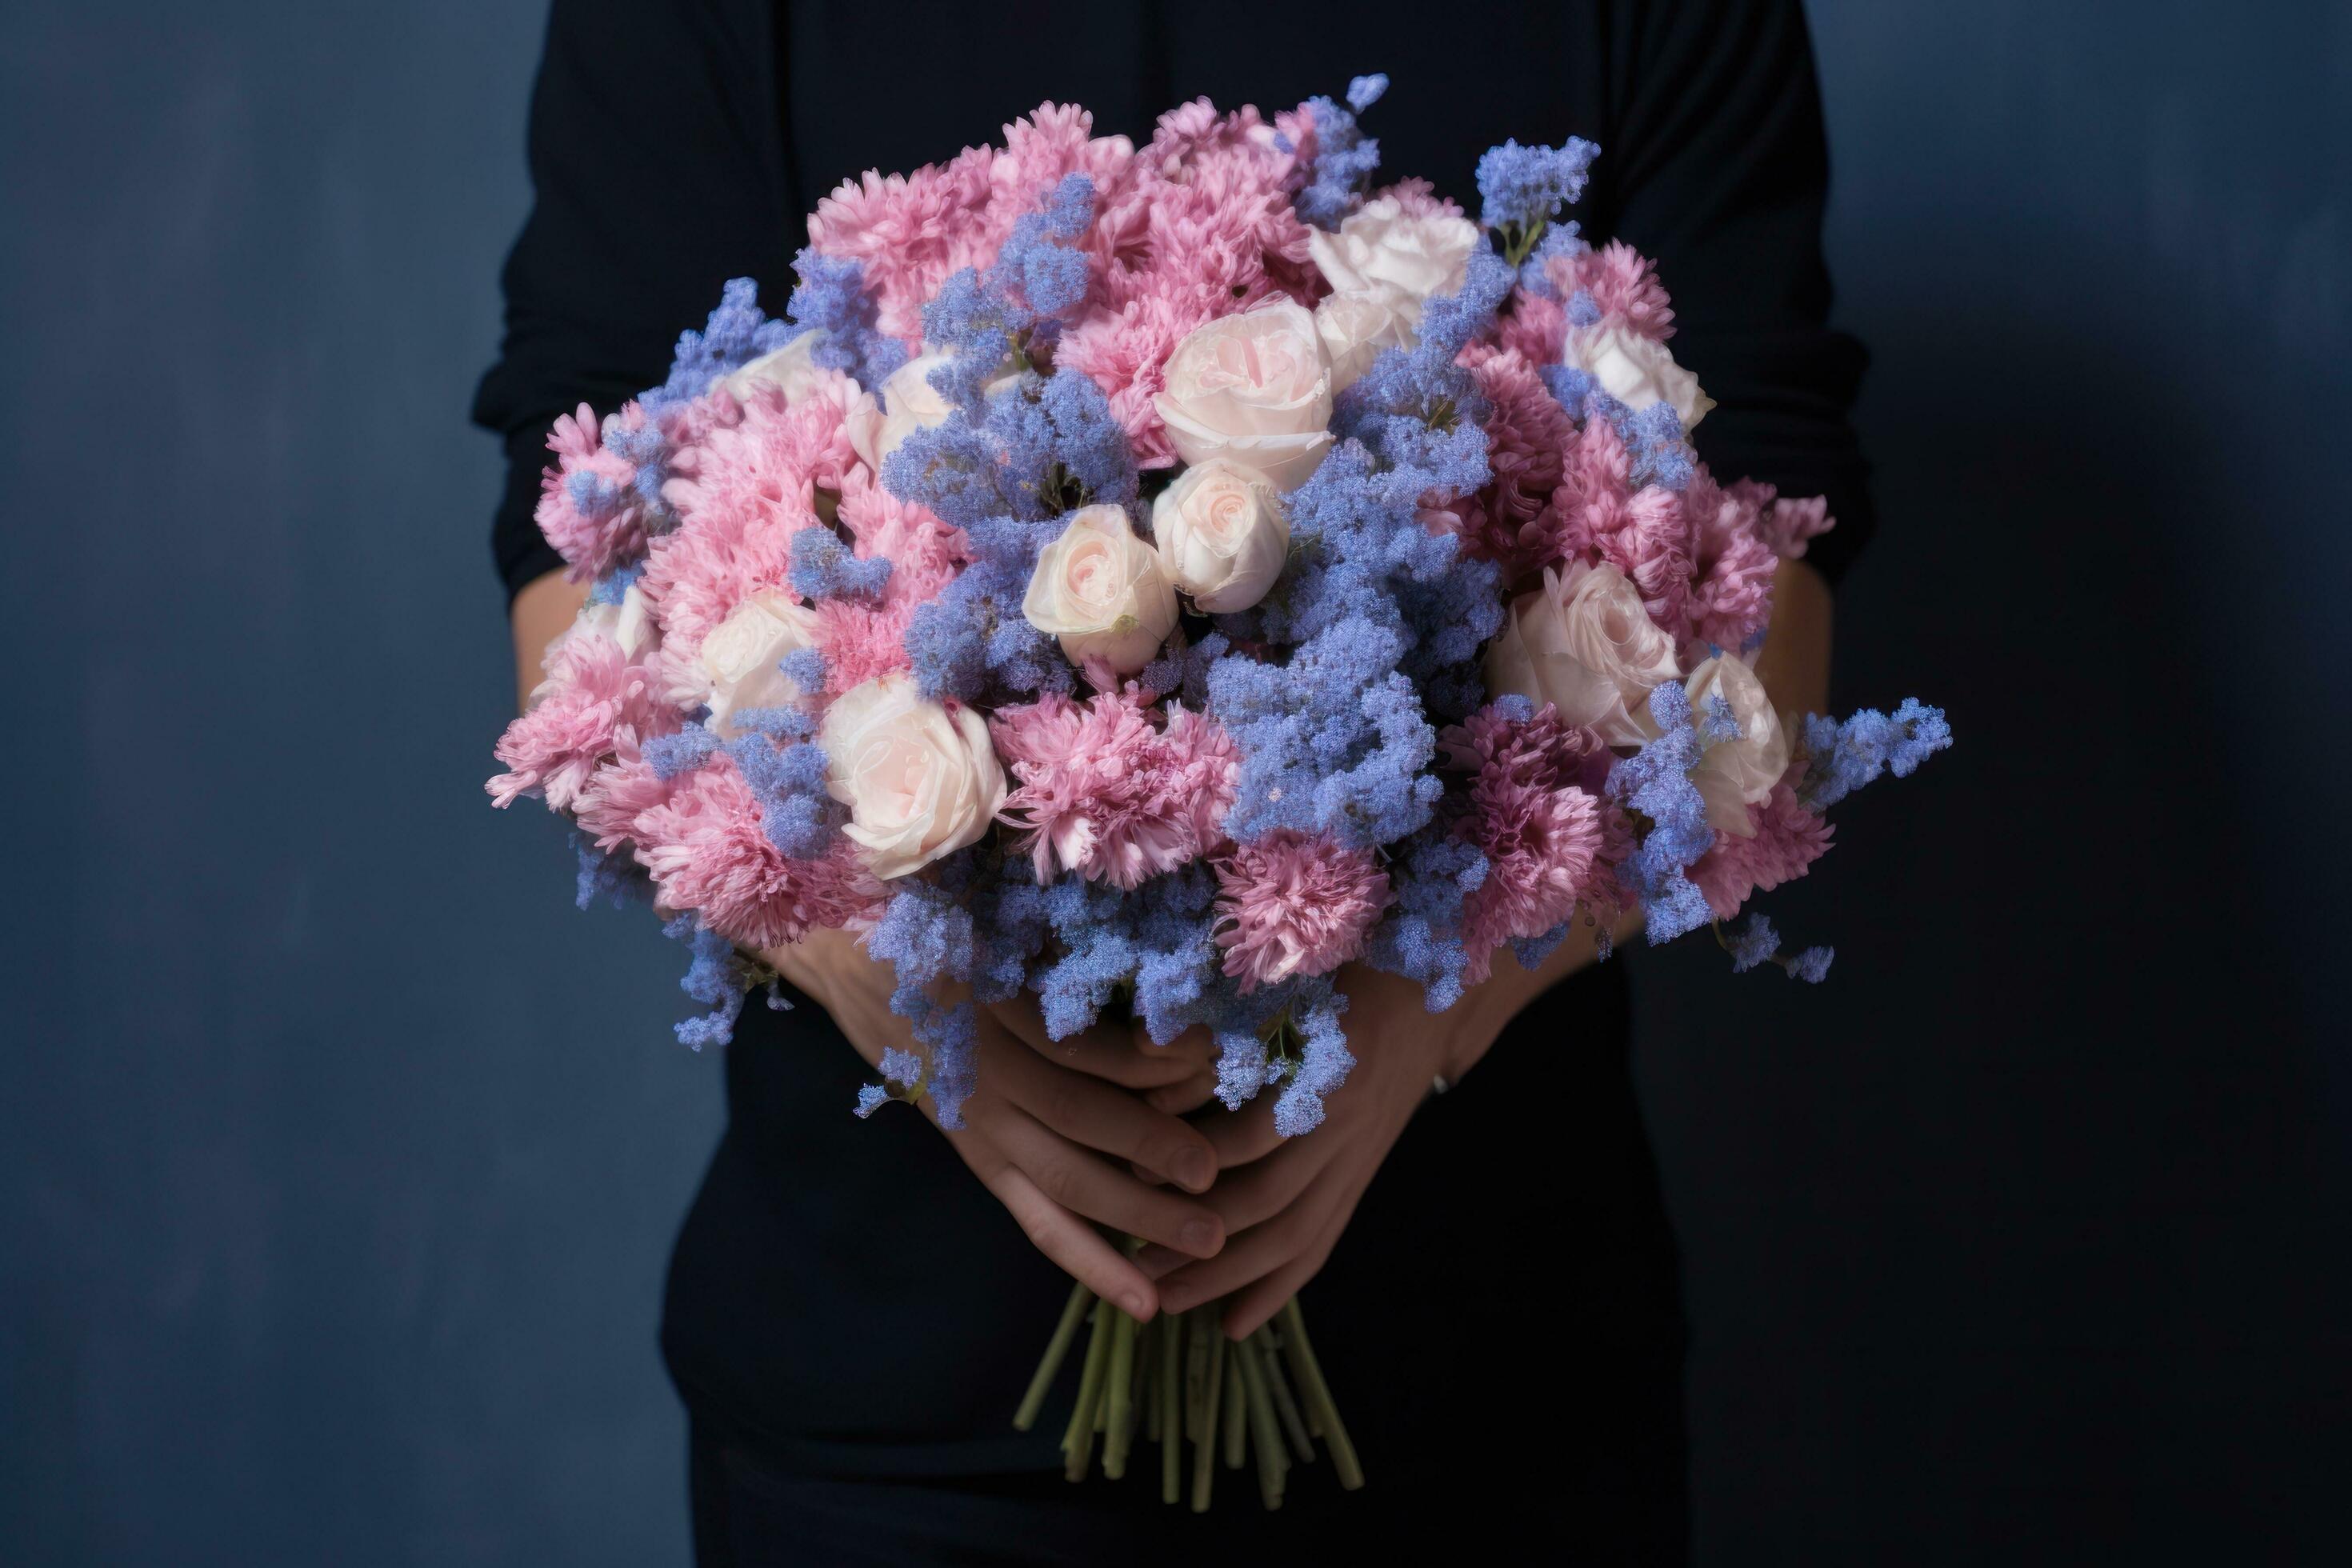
(1079, 1442)
(1236, 1405)
(1171, 1432)
(1196, 1369)
(1301, 1446)
(1213, 1387)
(1121, 1395)
(1317, 1396)
(1050, 1366)
(1265, 1434)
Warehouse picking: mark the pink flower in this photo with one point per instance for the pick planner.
(595, 705)
(1536, 329)
(1731, 566)
(1787, 840)
(1790, 521)
(1644, 533)
(1510, 520)
(1291, 904)
(1623, 282)
(589, 506)
(1528, 811)
(608, 806)
(1104, 792)
(708, 854)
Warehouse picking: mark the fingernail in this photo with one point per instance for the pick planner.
(1193, 1169)
(1199, 1236)
(1135, 1306)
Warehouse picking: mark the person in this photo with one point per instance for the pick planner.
(851, 1315)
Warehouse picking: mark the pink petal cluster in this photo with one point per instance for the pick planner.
(1528, 811)
(1292, 904)
(1105, 791)
(596, 705)
(1789, 522)
(1511, 520)
(1623, 282)
(707, 852)
(1788, 839)
(591, 539)
(1731, 566)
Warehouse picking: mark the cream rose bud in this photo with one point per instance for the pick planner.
(1222, 535)
(1586, 644)
(1637, 371)
(1736, 771)
(1102, 591)
(1380, 245)
(920, 779)
(1357, 325)
(910, 403)
(1253, 389)
(792, 369)
(739, 657)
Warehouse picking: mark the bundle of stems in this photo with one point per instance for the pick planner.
(1180, 1382)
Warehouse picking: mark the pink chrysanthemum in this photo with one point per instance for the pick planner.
(1104, 792)
(595, 705)
(589, 506)
(1623, 282)
(1536, 329)
(1644, 533)
(608, 806)
(1787, 840)
(1731, 567)
(1541, 831)
(1509, 519)
(707, 853)
(1293, 904)
(1791, 521)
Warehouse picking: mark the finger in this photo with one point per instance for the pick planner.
(1087, 1184)
(1102, 1050)
(1196, 1045)
(1088, 1111)
(1239, 1137)
(1252, 1254)
(1185, 1098)
(1255, 1303)
(1248, 1198)
(1075, 1247)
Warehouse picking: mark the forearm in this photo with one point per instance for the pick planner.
(542, 611)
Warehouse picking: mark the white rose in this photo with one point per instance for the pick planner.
(1222, 535)
(1637, 371)
(1737, 773)
(633, 625)
(1357, 324)
(793, 369)
(1379, 246)
(920, 780)
(1585, 645)
(1102, 591)
(1253, 389)
(739, 657)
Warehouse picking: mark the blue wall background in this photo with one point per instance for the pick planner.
(333, 1202)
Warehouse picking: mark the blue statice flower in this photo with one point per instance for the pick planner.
(1584, 310)
(1842, 756)
(1563, 238)
(1522, 187)
(1755, 942)
(1012, 313)
(611, 875)
(716, 975)
(796, 812)
(1322, 1064)
(1813, 965)
(670, 755)
(825, 568)
(1654, 783)
(832, 297)
(736, 333)
(1532, 950)
(1345, 158)
(1421, 939)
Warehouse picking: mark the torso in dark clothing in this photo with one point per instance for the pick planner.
(845, 1300)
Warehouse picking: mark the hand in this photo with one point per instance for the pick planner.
(1177, 1078)
(1036, 1130)
(1285, 1202)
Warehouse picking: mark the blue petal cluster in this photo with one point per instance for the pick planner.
(825, 568)
(831, 298)
(1344, 157)
(1655, 785)
(1842, 756)
(1522, 187)
(737, 333)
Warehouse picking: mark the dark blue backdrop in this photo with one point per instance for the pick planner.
(339, 1158)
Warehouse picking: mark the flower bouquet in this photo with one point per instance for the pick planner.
(1154, 578)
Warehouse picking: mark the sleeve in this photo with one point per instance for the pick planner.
(658, 173)
(1721, 174)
